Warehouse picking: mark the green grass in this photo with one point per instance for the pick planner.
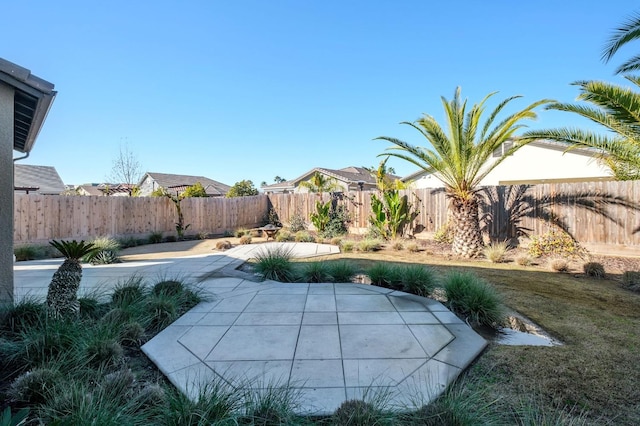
(275, 264)
(474, 298)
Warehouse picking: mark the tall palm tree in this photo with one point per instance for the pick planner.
(628, 32)
(319, 183)
(460, 157)
(615, 107)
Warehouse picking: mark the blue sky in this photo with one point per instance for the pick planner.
(238, 90)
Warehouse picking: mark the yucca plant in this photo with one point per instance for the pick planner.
(62, 296)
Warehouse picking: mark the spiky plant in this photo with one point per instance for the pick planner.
(62, 296)
(460, 157)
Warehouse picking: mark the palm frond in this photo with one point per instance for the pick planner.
(626, 33)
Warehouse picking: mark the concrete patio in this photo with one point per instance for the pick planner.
(328, 342)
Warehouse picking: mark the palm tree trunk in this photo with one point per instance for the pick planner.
(467, 239)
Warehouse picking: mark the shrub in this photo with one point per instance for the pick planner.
(18, 317)
(368, 244)
(445, 233)
(275, 264)
(496, 251)
(126, 242)
(284, 236)
(418, 279)
(386, 275)
(105, 251)
(155, 238)
(474, 298)
(631, 280)
(355, 412)
(34, 386)
(559, 265)
(296, 222)
(304, 237)
(594, 269)
(223, 245)
(338, 222)
(342, 272)
(29, 252)
(335, 241)
(168, 288)
(347, 245)
(315, 272)
(413, 247)
(203, 235)
(245, 239)
(523, 260)
(554, 242)
(241, 232)
(170, 239)
(397, 244)
(128, 293)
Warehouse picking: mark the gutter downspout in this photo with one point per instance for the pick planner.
(21, 158)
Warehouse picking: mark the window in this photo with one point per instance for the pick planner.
(502, 149)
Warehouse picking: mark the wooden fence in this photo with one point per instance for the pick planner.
(40, 218)
(601, 215)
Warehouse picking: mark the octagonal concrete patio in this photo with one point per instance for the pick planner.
(329, 342)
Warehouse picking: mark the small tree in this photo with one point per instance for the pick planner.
(126, 169)
(196, 190)
(320, 183)
(244, 188)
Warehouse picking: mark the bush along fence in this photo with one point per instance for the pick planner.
(599, 215)
(40, 218)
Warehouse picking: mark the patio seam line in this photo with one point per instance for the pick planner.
(295, 348)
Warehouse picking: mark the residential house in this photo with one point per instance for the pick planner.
(105, 189)
(152, 181)
(44, 180)
(347, 179)
(538, 162)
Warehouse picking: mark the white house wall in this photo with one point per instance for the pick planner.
(533, 163)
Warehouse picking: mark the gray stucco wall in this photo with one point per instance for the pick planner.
(6, 193)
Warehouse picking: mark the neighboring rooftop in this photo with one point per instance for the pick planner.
(43, 180)
(354, 178)
(178, 183)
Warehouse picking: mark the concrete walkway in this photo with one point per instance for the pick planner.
(327, 342)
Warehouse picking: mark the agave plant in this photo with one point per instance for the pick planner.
(62, 297)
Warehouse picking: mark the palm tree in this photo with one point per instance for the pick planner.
(616, 108)
(62, 295)
(460, 157)
(319, 183)
(626, 33)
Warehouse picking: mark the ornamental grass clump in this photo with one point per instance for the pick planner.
(418, 279)
(105, 251)
(386, 275)
(341, 272)
(369, 244)
(594, 270)
(275, 264)
(496, 251)
(315, 272)
(475, 299)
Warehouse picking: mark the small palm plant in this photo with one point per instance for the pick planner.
(62, 297)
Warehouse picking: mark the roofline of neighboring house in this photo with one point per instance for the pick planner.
(32, 101)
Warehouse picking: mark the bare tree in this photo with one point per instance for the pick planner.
(126, 168)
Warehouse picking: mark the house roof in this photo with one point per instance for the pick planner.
(180, 182)
(349, 175)
(40, 179)
(106, 188)
(32, 100)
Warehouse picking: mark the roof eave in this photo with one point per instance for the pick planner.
(28, 86)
